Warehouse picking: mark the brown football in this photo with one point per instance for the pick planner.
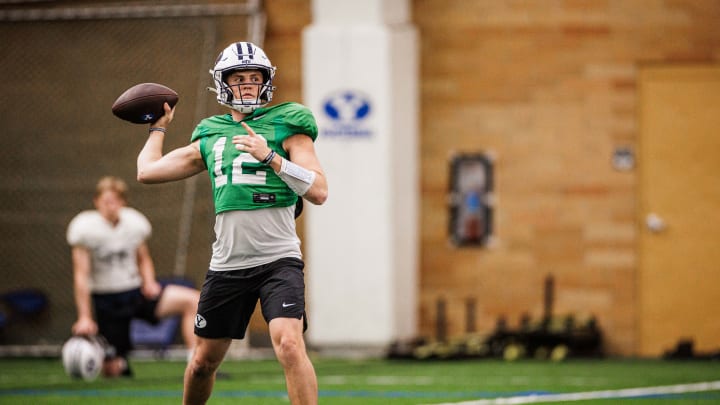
(143, 103)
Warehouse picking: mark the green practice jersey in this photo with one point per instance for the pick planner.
(239, 181)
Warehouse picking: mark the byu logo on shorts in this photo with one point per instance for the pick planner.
(200, 322)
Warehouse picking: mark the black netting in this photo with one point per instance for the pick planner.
(60, 79)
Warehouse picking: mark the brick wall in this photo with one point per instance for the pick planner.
(549, 89)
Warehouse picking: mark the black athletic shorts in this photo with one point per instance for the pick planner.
(228, 298)
(114, 311)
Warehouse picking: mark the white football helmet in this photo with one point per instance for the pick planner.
(242, 56)
(83, 357)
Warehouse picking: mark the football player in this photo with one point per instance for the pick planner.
(114, 276)
(260, 160)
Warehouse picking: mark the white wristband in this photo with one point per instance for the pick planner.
(296, 177)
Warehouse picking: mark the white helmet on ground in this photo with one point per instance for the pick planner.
(83, 357)
(243, 56)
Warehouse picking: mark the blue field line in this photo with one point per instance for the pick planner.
(89, 393)
(95, 393)
(263, 394)
(420, 394)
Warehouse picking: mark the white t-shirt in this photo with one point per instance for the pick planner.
(245, 239)
(113, 249)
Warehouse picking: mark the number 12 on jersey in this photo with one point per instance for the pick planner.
(238, 176)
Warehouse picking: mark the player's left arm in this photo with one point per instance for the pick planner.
(302, 172)
(301, 150)
(150, 287)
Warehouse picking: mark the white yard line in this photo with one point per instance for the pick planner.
(581, 396)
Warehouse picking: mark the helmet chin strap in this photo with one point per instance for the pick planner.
(247, 107)
(243, 108)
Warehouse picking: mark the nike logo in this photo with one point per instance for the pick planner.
(288, 305)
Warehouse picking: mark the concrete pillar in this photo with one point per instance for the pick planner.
(360, 77)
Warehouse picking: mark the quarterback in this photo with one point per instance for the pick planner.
(260, 160)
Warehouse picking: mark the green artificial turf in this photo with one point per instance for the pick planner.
(43, 381)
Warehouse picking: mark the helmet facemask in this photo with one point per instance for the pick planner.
(243, 56)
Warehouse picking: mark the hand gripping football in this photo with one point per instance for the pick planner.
(143, 103)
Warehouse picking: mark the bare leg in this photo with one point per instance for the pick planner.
(287, 340)
(200, 371)
(182, 301)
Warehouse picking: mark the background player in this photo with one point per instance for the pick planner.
(259, 159)
(112, 267)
